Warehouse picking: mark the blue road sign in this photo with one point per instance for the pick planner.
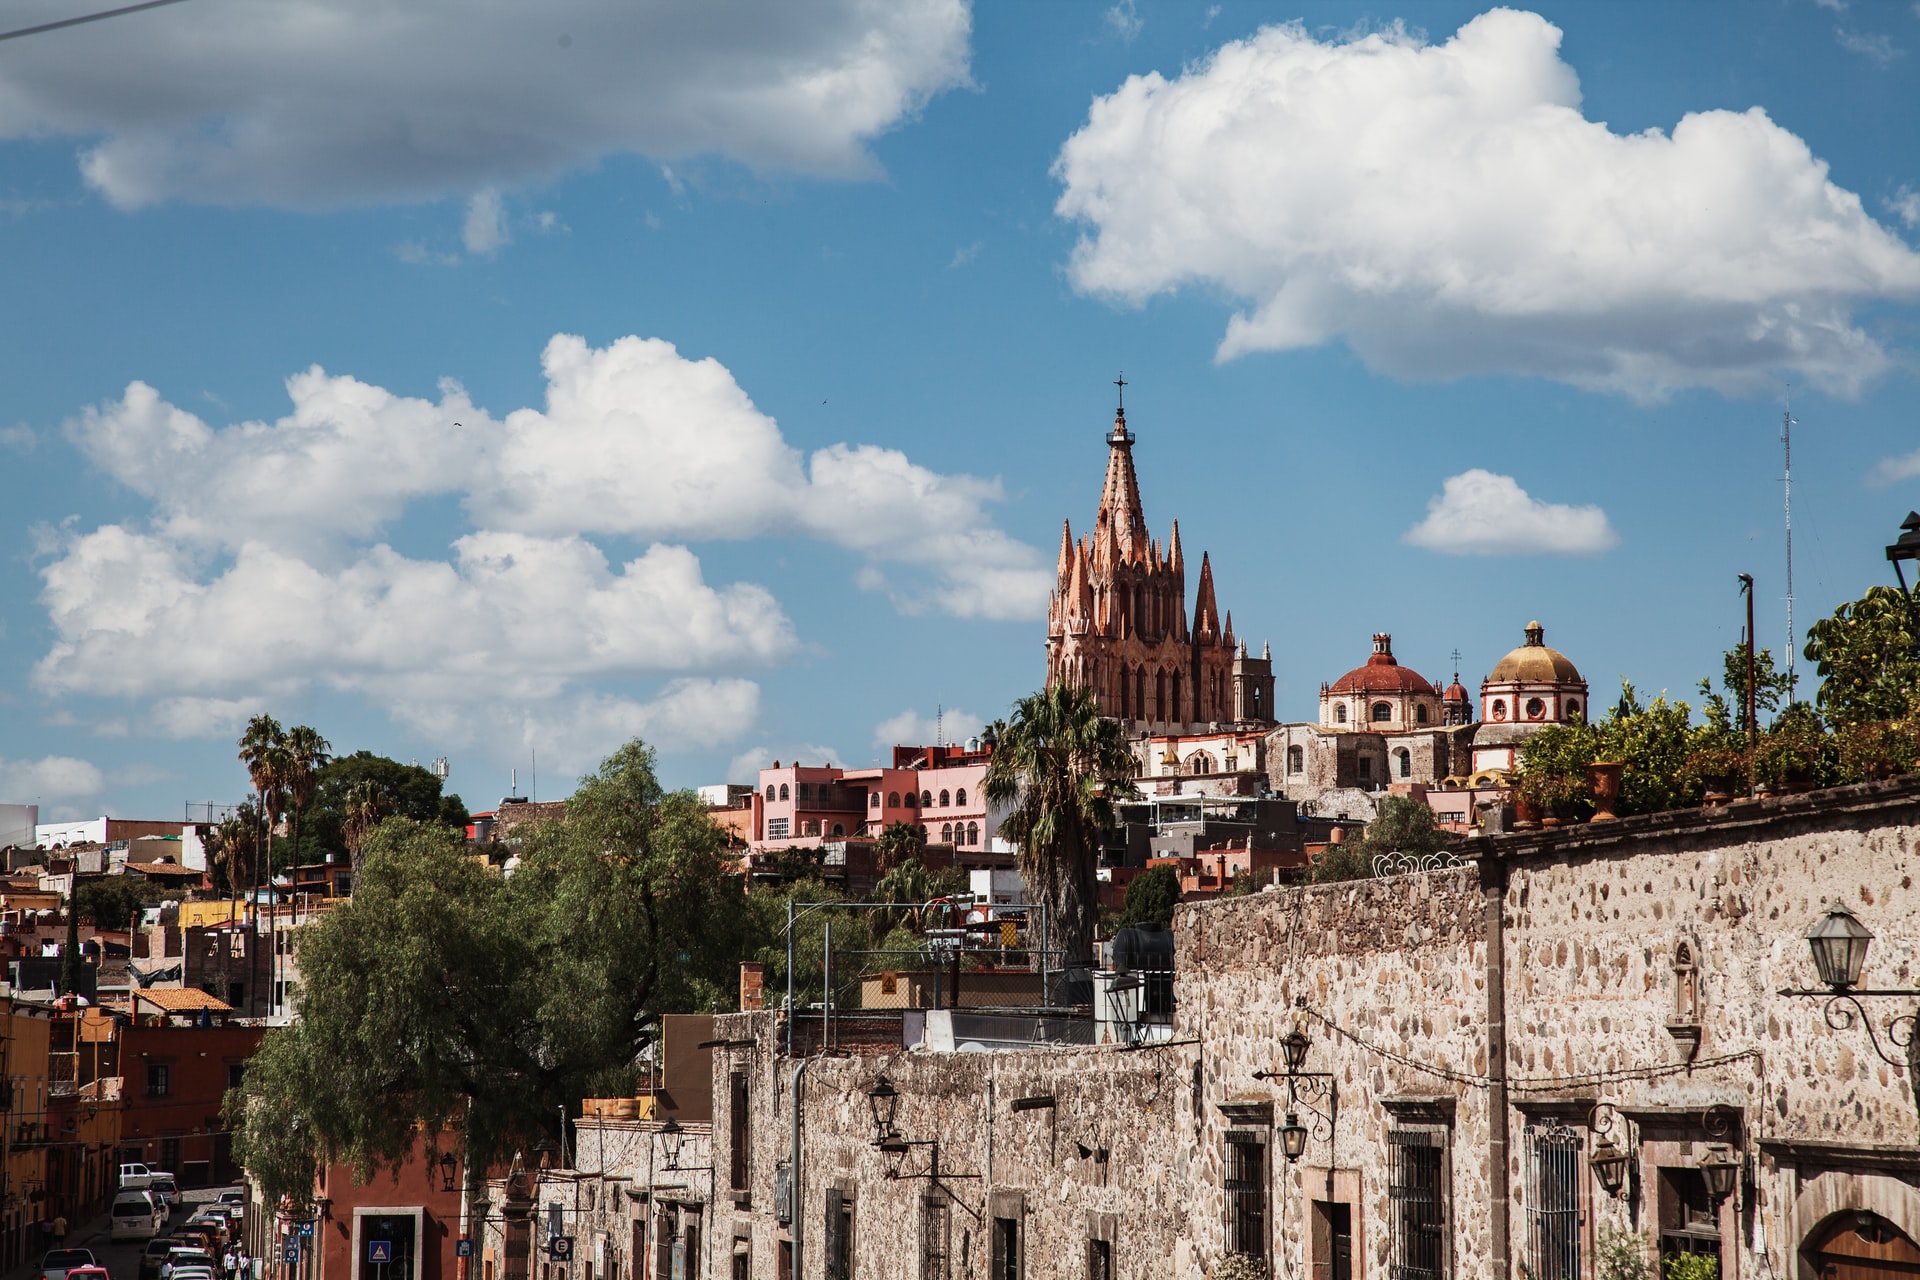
(305, 1229)
(463, 1249)
(379, 1251)
(293, 1253)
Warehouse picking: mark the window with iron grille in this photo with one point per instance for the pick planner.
(1099, 1260)
(1416, 1204)
(737, 1137)
(1246, 1188)
(933, 1239)
(1006, 1249)
(1555, 1176)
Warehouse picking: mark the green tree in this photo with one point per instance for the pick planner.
(1864, 655)
(112, 902)
(355, 793)
(444, 994)
(1057, 770)
(1151, 897)
(232, 850)
(1771, 687)
(1654, 741)
(1400, 825)
(306, 755)
(263, 749)
(269, 1117)
(898, 843)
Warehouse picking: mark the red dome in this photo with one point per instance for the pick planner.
(1456, 692)
(1382, 674)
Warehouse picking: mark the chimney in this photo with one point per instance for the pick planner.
(753, 977)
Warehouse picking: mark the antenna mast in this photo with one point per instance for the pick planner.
(1786, 440)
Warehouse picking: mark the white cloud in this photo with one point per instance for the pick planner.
(337, 102)
(1878, 48)
(201, 717)
(965, 254)
(1906, 205)
(745, 768)
(634, 440)
(1480, 513)
(486, 226)
(1837, 6)
(1124, 20)
(1448, 209)
(49, 779)
(19, 437)
(511, 616)
(911, 729)
(1890, 470)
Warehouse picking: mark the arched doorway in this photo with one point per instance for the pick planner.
(1859, 1244)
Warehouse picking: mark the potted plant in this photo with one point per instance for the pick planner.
(1559, 796)
(1722, 771)
(1604, 775)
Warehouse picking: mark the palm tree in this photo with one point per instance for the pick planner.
(263, 749)
(367, 807)
(895, 844)
(307, 754)
(230, 846)
(1058, 767)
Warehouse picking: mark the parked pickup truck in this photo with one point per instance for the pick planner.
(60, 1261)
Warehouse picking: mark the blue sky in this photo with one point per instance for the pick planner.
(781, 344)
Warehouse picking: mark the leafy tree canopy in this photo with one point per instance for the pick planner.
(1151, 897)
(112, 902)
(444, 994)
(397, 790)
(1864, 655)
(1401, 825)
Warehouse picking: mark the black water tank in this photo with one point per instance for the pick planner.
(1147, 949)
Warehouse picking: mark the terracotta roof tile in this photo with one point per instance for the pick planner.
(181, 1000)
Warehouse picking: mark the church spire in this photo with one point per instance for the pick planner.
(1066, 551)
(1120, 496)
(1206, 613)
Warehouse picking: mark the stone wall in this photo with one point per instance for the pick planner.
(1567, 943)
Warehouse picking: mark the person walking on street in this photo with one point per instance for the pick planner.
(59, 1231)
(231, 1263)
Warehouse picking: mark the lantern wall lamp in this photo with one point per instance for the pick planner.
(1302, 1087)
(884, 1101)
(1839, 944)
(1907, 547)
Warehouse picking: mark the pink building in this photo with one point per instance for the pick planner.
(936, 789)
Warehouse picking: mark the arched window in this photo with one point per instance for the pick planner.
(946, 833)
(893, 799)
(1536, 709)
(1573, 709)
(1420, 714)
(839, 830)
(1177, 712)
(1405, 760)
(926, 799)
(946, 801)
(769, 793)
(960, 797)
(912, 800)
(923, 831)
(1382, 712)
(1140, 693)
(973, 833)
(1499, 708)
(783, 791)
(1199, 762)
(1160, 696)
(873, 800)
(1296, 760)
(1340, 714)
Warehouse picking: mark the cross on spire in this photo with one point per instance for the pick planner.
(1456, 666)
(1121, 382)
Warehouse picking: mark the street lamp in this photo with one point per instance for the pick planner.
(1907, 547)
(884, 1100)
(674, 1135)
(1609, 1166)
(1720, 1169)
(1293, 1138)
(1304, 1084)
(1839, 944)
(449, 1172)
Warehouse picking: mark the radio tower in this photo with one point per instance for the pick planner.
(1786, 440)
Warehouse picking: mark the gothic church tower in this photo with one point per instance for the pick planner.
(1118, 620)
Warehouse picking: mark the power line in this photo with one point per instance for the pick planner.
(84, 18)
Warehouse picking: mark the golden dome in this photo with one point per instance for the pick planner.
(1534, 663)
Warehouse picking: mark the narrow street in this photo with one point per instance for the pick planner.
(121, 1258)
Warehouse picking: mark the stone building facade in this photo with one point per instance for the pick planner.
(1470, 1039)
(1118, 622)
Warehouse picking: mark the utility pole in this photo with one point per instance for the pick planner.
(1786, 439)
(1753, 720)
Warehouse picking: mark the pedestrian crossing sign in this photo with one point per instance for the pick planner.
(379, 1251)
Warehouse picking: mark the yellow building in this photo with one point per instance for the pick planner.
(27, 1132)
